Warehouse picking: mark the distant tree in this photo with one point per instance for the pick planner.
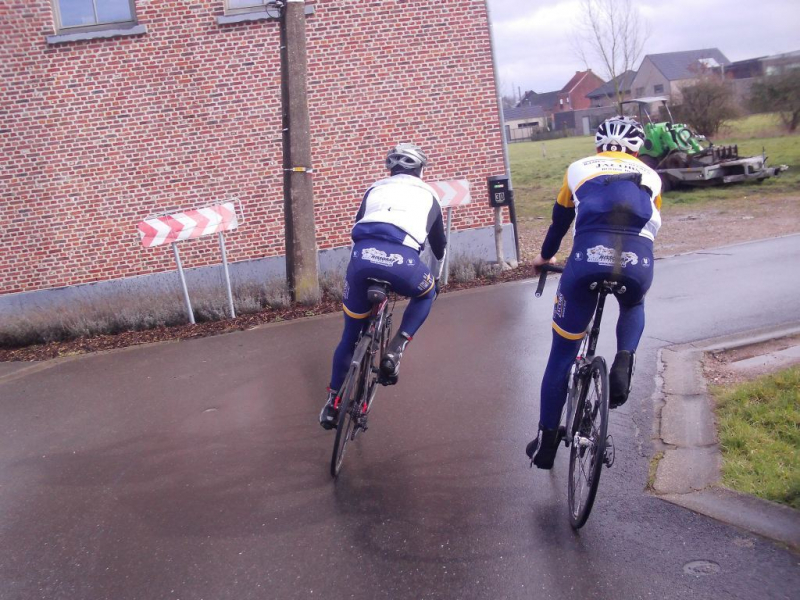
(707, 104)
(779, 93)
(612, 33)
(508, 101)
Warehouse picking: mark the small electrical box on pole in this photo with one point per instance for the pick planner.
(500, 195)
(302, 270)
(499, 192)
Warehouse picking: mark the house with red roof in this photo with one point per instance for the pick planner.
(573, 95)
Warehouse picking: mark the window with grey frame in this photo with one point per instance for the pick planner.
(658, 89)
(88, 15)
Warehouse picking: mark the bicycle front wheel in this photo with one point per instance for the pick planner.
(346, 425)
(588, 444)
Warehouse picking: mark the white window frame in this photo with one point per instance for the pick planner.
(97, 26)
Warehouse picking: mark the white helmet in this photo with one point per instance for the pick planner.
(619, 134)
(407, 156)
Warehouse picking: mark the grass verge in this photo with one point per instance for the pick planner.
(758, 424)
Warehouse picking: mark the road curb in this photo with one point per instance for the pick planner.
(688, 474)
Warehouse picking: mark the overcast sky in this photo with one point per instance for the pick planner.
(533, 37)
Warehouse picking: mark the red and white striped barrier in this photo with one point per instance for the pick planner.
(452, 193)
(188, 224)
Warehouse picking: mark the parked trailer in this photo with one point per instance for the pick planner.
(752, 168)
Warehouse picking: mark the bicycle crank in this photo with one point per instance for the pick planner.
(609, 454)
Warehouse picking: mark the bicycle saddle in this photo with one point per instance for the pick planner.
(378, 290)
(614, 287)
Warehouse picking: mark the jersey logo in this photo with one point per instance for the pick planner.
(379, 257)
(608, 257)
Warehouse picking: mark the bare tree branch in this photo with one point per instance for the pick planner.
(612, 33)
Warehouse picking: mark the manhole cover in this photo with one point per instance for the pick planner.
(701, 567)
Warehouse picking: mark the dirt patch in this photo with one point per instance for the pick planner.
(724, 368)
(696, 227)
(690, 228)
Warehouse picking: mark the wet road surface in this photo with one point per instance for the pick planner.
(197, 470)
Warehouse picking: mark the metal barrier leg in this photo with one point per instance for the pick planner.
(183, 283)
(227, 274)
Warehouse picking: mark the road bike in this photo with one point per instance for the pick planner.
(585, 419)
(363, 376)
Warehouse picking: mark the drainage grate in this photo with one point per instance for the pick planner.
(701, 567)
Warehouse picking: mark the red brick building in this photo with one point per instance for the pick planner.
(573, 95)
(178, 107)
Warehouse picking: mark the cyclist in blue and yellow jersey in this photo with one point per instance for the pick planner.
(615, 200)
(397, 215)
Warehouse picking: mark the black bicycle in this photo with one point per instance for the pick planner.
(585, 419)
(361, 383)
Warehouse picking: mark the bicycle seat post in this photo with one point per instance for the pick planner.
(606, 287)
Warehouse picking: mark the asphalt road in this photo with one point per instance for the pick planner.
(197, 470)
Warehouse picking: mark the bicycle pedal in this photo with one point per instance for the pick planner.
(562, 435)
(385, 380)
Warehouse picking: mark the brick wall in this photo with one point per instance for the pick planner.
(97, 135)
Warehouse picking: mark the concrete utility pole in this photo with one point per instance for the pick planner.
(302, 270)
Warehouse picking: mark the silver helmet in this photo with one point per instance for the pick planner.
(407, 156)
(619, 134)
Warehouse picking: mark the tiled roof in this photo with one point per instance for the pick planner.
(576, 79)
(607, 89)
(523, 112)
(685, 65)
(546, 100)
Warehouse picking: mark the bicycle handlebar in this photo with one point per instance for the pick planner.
(544, 270)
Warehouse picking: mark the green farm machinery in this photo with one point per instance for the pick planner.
(682, 158)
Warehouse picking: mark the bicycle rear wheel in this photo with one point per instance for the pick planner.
(588, 444)
(346, 425)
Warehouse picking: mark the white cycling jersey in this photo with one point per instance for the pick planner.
(407, 203)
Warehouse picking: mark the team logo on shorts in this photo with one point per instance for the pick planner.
(578, 256)
(608, 257)
(379, 257)
(645, 262)
(426, 282)
(560, 305)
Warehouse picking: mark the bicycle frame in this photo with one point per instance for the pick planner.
(378, 321)
(585, 356)
(588, 347)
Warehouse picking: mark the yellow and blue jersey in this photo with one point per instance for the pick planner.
(600, 197)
